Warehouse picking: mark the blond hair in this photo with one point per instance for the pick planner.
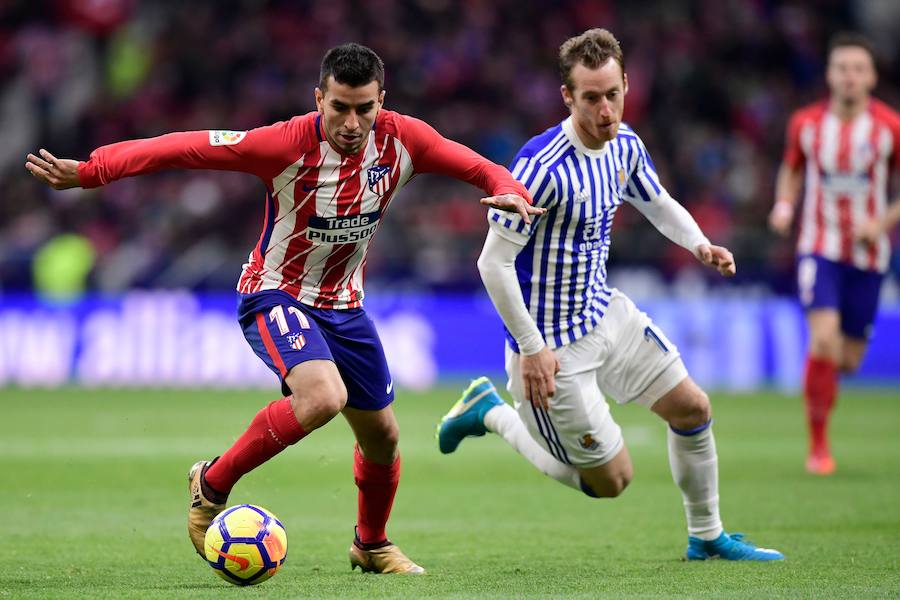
(592, 49)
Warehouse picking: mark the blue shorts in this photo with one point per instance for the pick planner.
(853, 292)
(284, 333)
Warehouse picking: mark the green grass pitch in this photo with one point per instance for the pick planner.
(93, 498)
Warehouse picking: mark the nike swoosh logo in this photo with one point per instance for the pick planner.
(465, 405)
(390, 386)
(242, 562)
(274, 547)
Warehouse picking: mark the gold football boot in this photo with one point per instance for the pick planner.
(384, 559)
(202, 511)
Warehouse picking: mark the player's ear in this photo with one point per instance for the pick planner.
(566, 95)
(625, 83)
(320, 100)
(381, 97)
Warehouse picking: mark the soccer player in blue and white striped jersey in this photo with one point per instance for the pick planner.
(572, 338)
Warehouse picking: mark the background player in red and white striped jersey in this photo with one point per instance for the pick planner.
(842, 151)
(330, 176)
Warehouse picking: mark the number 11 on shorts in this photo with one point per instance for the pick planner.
(296, 340)
(277, 315)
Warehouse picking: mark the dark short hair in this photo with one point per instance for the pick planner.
(592, 49)
(353, 65)
(846, 39)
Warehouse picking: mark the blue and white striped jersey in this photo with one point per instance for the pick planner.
(562, 266)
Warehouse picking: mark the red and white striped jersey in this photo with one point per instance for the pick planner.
(322, 207)
(848, 166)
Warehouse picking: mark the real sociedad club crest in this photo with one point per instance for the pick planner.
(378, 180)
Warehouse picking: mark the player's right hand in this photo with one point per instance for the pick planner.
(869, 231)
(539, 376)
(781, 218)
(718, 257)
(58, 173)
(513, 203)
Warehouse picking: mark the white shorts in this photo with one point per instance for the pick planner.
(626, 357)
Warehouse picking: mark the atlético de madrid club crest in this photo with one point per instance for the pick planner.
(378, 179)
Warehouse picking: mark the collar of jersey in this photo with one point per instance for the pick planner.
(569, 130)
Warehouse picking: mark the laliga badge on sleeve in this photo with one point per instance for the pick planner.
(225, 137)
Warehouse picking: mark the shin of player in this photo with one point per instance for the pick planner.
(841, 152)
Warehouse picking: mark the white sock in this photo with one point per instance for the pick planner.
(695, 469)
(505, 422)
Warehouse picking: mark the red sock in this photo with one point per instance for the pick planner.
(819, 390)
(377, 486)
(273, 429)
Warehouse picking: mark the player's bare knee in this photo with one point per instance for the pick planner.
(317, 402)
(693, 410)
(700, 410)
(608, 484)
(388, 438)
(850, 364)
(380, 445)
(612, 486)
(620, 481)
(330, 399)
(826, 347)
(823, 349)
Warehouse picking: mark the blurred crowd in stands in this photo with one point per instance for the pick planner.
(711, 85)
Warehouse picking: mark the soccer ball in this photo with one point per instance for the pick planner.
(245, 544)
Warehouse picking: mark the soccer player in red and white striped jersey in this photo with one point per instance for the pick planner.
(841, 151)
(330, 176)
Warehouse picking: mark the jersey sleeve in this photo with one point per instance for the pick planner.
(264, 151)
(643, 183)
(433, 153)
(646, 193)
(541, 184)
(793, 151)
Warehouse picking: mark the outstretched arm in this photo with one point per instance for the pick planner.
(264, 152)
(433, 153)
(498, 272)
(677, 224)
(648, 195)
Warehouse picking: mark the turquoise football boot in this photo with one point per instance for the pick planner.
(466, 418)
(729, 547)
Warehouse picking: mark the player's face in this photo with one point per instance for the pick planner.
(596, 101)
(348, 113)
(851, 74)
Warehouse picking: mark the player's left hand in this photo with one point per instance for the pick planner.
(717, 257)
(869, 231)
(538, 376)
(513, 203)
(58, 173)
